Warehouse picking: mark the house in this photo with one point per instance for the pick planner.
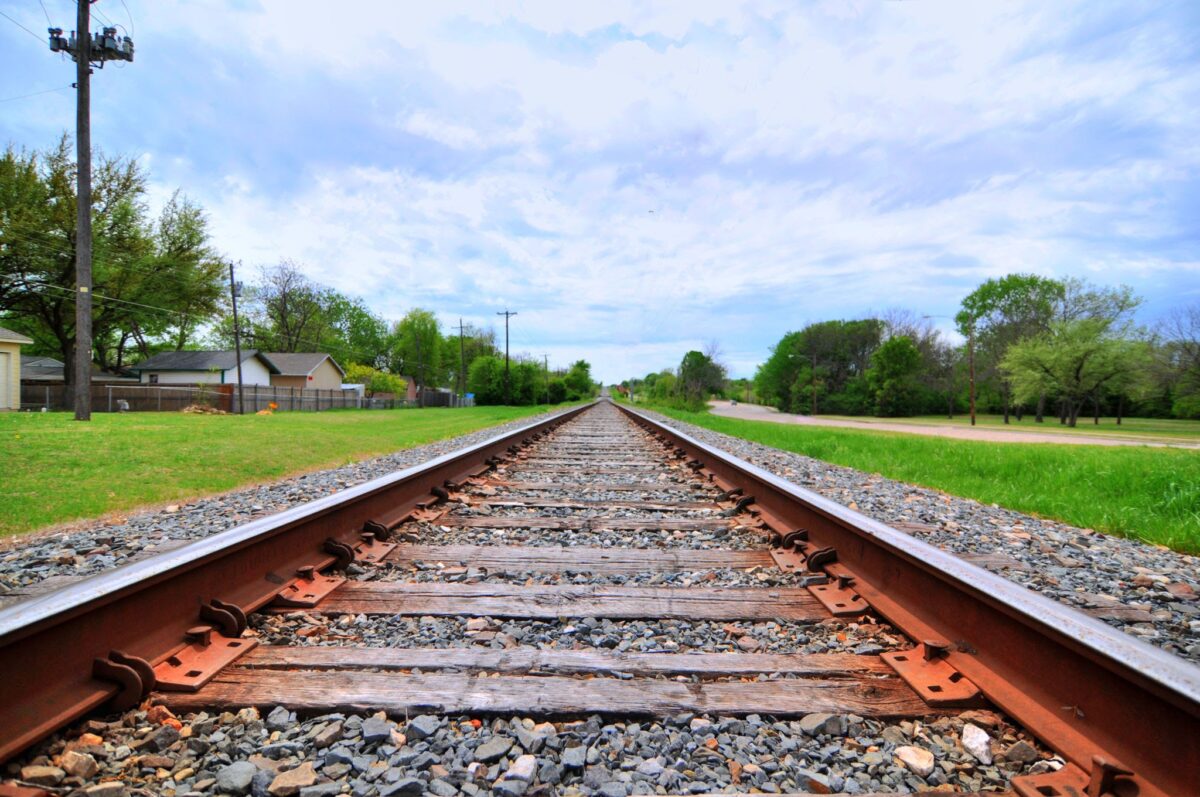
(206, 367)
(49, 371)
(10, 368)
(306, 370)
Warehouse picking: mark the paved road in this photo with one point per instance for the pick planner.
(754, 412)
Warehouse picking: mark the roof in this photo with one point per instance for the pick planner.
(48, 369)
(200, 361)
(13, 337)
(300, 363)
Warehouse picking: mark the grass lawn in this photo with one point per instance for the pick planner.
(1148, 429)
(1148, 493)
(56, 469)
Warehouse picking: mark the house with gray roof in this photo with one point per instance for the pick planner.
(306, 370)
(206, 367)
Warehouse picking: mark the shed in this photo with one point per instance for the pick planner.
(306, 370)
(10, 368)
(205, 367)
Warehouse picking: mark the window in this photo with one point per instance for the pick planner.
(154, 379)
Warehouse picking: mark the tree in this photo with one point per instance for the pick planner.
(1076, 358)
(1179, 359)
(892, 376)
(354, 333)
(485, 378)
(1002, 312)
(699, 377)
(286, 310)
(374, 381)
(416, 347)
(578, 380)
(155, 282)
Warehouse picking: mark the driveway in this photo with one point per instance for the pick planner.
(755, 412)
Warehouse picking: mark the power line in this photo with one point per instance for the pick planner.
(35, 94)
(22, 27)
(49, 21)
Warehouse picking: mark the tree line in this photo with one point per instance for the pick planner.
(159, 284)
(1036, 345)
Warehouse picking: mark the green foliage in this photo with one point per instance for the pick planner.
(485, 379)
(415, 348)
(155, 281)
(892, 377)
(375, 381)
(823, 365)
(699, 377)
(578, 381)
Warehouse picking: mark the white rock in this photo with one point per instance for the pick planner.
(523, 769)
(976, 742)
(918, 760)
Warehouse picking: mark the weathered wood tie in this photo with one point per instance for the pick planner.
(561, 662)
(545, 602)
(556, 559)
(399, 693)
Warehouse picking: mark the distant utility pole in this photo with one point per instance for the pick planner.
(462, 360)
(235, 288)
(506, 315)
(86, 51)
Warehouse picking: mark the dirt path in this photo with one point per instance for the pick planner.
(755, 412)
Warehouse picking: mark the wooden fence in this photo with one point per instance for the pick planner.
(173, 398)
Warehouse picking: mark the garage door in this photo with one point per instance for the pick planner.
(5, 396)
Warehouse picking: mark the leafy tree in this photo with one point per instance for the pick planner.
(892, 377)
(578, 380)
(374, 381)
(155, 281)
(699, 377)
(416, 347)
(1179, 360)
(485, 378)
(1076, 358)
(1002, 312)
(354, 333)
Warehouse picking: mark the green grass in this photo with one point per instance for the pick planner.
(1151, 494)
(1148, 429)
(56, 469)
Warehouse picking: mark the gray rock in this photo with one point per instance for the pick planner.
(321, 790)
(423, 726)
(442, 788)
(164, 737)
(1022, 752)
(408, 787)
(236, 778)
(815, 724)
(375, 729)
(279, 719)
(493, 749)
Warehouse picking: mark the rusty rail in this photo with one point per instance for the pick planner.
(1124, 714)
(97, 642)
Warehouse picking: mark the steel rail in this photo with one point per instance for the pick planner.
(50, 644)
(1101, 698)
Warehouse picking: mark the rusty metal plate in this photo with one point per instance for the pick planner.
(841, 601)
(934, 679)
(196, 664)
(306, 591)
(372, 550)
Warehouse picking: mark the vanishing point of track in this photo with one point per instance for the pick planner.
(603, 490)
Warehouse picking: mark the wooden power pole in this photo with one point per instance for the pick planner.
(106, 47)
(507, 393)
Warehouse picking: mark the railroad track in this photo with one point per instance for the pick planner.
(595, 564)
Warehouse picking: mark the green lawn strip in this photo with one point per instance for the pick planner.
(1148, 429)
(56, 469)
(1151, 494)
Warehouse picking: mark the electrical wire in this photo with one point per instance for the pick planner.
(19, 25)
(35, 94)
(132, 27)
(49, 21)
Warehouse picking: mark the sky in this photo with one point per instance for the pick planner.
(637, 179)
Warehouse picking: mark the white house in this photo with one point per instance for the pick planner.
(205, 367)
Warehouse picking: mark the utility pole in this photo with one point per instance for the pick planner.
(971, 361)
(462, 361)
(85, 51)
(234, 289)
(507, 315)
